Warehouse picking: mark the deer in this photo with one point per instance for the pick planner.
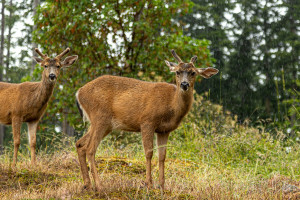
(27, 101)
(118, 103)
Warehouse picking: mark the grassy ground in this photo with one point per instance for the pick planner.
(58, 177)
(209, 156)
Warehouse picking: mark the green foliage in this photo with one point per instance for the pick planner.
(125, 38)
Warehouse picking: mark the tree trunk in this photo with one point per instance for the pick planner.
(2, 40)
(67, 129)
(295, 59)
(266, 64)
(36, 3)
(1, 67)
(10, 26)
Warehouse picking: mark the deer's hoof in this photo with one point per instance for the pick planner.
(147, 184)
(87, 188)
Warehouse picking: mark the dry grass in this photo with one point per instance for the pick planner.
(58, 177)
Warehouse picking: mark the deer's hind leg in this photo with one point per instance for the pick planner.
(81, 145)
(147, 138)
(162, 139)
(98, 132)
(32, 127)
(16, 127)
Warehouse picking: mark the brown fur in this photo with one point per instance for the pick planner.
(27, 102)
(111, 102)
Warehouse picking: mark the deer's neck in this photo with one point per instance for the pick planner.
(183, 102)
(45, 91)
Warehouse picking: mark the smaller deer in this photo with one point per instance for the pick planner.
(27, 102)
(111, 102)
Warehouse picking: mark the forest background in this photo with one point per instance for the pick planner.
(254, 44)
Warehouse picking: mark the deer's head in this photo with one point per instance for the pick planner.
(52, 66)
(186, 72)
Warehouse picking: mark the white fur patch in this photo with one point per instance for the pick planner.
(117, 125)
(29, 137)
(31, 130)
(85, 117)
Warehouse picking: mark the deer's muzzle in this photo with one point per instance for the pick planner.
(185, 86)
(52, 77)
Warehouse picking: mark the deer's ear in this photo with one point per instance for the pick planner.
(69, 61)
(38, 60)
(171, 65)
(207, 72)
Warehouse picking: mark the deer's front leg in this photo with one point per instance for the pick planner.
(147, 137)
(16, 127)
(162, 140)
(32, 127)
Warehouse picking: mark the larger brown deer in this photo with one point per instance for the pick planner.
(111, 102)
(27, 102)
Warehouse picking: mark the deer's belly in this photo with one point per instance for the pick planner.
(34, 115)
(5, 121)
(5, 117)
(120, 125)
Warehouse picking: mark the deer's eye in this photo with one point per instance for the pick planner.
(177, 73)
(57, 66)
(46, 66)
(193, 73)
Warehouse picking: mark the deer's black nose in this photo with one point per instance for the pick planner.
(52, 76)
(184, 85)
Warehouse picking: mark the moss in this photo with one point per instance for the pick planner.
(120, 165)
(185, 196)
(26, 179)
